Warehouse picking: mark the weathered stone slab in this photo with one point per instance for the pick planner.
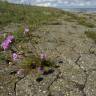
(87, 61)
(71, 71)
(64, 88)
(30, 87)
(90, 88)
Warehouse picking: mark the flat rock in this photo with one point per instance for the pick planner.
(90, 88)
(87, 61)
(70, 71)
(64, 88)
(30, 87)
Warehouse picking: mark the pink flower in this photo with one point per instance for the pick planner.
(41, 69)
(26, 30)
(6, 43)
(43, 56)
(15, 56)
(10, 38)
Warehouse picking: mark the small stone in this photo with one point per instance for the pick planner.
(7, 61)
(9, 93)
(1, 87)
(20, 73)
(44, 91)
(10, 63)
(20, 53)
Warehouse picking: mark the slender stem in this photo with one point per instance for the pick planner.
(32, 45)
(15, 46)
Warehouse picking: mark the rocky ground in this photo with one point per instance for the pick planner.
(73, 53)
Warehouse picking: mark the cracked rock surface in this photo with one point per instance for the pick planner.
(72, 51)
(90, 88)
(31, 87)
(87, 61)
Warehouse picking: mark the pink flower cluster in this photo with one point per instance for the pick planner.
(6, 43)
(26, 30)
(15, 56)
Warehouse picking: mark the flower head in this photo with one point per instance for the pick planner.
(10, 38)
(6, 43)
(15, 56)
(41, 69)
(26, 30)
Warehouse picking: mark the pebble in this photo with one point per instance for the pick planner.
(20, 73)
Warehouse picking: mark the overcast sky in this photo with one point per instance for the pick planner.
(59, 3)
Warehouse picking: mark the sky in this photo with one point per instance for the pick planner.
(59, 3)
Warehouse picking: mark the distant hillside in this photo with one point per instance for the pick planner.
(81, 9)
(26, 14)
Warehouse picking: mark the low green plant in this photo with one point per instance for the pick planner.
(85, 23)
(29, 62)
(91, 34)
(33, 17)
(47, 63)
(80, 19)
(19, 34)
(2, 56)
(26, 14)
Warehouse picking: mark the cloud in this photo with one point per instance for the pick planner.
(59, 3)
(44, 4)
